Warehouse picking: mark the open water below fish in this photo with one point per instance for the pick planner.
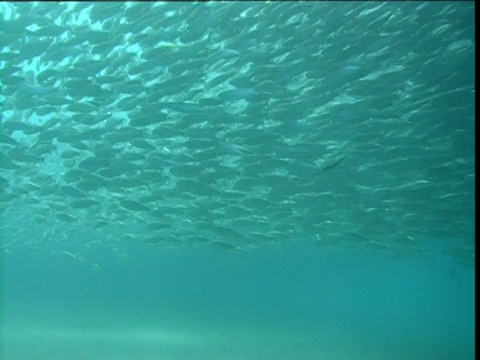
(286, 302)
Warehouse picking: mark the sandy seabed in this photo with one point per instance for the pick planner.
(59, 336)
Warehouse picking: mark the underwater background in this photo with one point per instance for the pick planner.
(237, 180)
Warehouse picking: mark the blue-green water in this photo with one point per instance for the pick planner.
(287, 302)
(237, 181)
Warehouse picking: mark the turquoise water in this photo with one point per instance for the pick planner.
(287, 302)
(237, 181)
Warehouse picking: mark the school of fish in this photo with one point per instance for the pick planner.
(236, 125)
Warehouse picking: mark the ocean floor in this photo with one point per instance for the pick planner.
(49, 334)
